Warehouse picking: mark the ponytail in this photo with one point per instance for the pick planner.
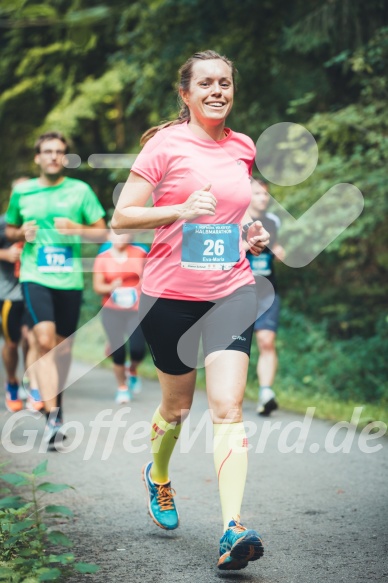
(184, 115)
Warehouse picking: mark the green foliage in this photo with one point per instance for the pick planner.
(345, 285)
(26, 540)
(313, 365)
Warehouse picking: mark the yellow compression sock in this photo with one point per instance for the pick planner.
(164, 436)
(231, 463)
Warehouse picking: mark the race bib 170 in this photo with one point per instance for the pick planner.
(55, 259)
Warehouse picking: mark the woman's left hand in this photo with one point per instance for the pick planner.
(257, 238)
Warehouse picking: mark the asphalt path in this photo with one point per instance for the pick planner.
(316, 492)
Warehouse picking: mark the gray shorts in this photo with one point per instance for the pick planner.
(269, 320)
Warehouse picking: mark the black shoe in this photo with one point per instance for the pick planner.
(53, 432)
(267, 402)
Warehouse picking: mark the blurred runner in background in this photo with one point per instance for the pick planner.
(50, 214)
(118, 273)
(267, 322)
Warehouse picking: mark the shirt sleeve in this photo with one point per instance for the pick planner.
(92, 209)
(12, 215)
(252, 156)
(151, 163)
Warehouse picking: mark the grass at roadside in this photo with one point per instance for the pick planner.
(90, 347)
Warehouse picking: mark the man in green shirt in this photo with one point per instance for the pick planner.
(51, 214)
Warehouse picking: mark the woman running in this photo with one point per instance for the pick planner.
(198, 283)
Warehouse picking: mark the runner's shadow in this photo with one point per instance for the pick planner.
(165, 536)
(232, 577)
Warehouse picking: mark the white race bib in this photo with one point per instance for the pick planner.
(125, 297)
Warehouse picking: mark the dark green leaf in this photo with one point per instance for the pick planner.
(14, 479)
(41, 469)
(86, 567)
(23, 525)
(30, 552)
(49, 574)
(51, 488)
(64, 558)
(59, 510)
(11, 502)
(58, 538)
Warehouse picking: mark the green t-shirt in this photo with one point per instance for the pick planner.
(53, 260)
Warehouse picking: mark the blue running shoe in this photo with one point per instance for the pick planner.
(238, 545)
(122, 395)
(134, 385)
(34, 401)
(12, 400)
(161, 506)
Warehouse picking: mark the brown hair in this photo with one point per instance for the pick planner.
(185, 74)
(50, 136)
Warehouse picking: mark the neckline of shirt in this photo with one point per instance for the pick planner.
(210, 142)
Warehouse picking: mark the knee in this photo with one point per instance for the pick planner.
(176, 413)
(64, 347)
(266, 343)
(10, 345)
(45, 342)
(228, 410)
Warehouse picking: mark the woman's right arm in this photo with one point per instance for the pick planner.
(131, 211)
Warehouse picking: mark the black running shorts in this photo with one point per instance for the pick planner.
(12, 313)
(46, 304)
(174, 328)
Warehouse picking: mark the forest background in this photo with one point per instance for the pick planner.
(104, 73)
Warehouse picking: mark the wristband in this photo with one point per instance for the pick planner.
(245, 229)
(246, 226)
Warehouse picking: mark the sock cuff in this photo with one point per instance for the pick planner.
(229, 428)
(158, 422)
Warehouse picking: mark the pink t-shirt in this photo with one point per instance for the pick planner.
(126, 297)
(177, 162)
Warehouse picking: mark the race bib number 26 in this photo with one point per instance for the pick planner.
(210, 246)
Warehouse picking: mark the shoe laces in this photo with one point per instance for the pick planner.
(237, 528)
(165, 495)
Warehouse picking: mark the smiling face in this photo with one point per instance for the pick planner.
(50, 158)
(210, 95)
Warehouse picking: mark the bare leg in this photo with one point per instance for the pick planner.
(267, 363)
(31, 357)
(63, 358)
(133, 368)
(177, 395)
(45, 367)
(119, 371)
(226, 376)
(10, 359)
(24, 343)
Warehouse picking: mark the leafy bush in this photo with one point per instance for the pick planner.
(27, 543)
(312, 363)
